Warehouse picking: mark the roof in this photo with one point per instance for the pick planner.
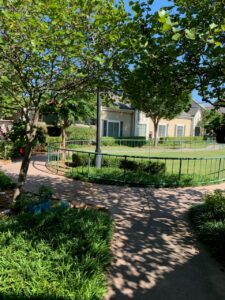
(194, 108)
(121, 105)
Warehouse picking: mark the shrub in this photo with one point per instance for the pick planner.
(215, 203)
(209, 223)
(6, 182)
(81, 159)
(153, 168)
(129, 165)
(6, 150)
(108, 141)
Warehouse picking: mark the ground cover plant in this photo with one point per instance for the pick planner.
(6, 182)
(59, 254)
(208, 220)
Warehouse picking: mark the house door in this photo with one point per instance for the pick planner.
(113, 129)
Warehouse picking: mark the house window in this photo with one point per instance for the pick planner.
(180, 130)
(162, 130)
(141, 129)
(112, 128)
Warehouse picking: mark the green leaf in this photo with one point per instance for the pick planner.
(162, 13)
(176, 36)
(190, 34)
(212, 26)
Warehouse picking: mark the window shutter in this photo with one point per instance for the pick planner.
(121, 128)
(104, 127)
(184, 130)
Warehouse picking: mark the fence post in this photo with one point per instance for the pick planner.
(48, 154)
(180, 167)
(124, 169)
(219, 169)
(89, 164)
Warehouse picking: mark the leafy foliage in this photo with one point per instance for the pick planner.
(61, 254)
(209, 222)
(6, 182)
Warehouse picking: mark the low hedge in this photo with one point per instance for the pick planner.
(150, 167)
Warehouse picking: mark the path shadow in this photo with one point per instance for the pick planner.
(156, 255)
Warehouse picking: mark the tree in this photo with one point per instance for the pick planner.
(213, 122)
(69, 109)
(154, 78)
(156, 91)
(198, 27)
(52, 47)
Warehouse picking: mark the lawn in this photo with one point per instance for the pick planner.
(182, 167)
(60, 254)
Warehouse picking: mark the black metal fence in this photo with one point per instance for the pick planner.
(137, 170)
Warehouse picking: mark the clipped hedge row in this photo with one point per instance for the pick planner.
(150, 167)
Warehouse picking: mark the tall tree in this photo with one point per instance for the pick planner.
(154, 76)
(52, 46)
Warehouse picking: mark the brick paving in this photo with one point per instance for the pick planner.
(156, 255)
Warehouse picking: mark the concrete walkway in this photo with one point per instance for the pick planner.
(156, 256)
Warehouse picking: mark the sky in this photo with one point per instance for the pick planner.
(157, 4)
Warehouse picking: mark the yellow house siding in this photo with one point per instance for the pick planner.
(171, 125)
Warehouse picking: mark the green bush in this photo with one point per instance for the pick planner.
(81, 133)
(81, 159)
(150, 167)
(153, 168)
(108, 141)
(209, 223)
(6, 150)
(6, 182)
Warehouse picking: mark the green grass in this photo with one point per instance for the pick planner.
(208, 220)
(61, 254)
(144, 151)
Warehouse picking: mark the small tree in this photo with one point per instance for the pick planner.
(49, 47)
(158, 88)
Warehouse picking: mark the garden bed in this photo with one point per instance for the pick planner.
(59, 254)
(208, 220)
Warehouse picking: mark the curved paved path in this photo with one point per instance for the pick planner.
(156, 256)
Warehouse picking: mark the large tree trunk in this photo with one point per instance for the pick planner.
(31, 136)
(155, 132)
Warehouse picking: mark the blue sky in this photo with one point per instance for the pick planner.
(155, 7)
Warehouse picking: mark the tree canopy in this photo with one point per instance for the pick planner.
(54, 47)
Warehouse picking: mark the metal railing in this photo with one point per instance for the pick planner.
(145, 145)
(137, 170)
